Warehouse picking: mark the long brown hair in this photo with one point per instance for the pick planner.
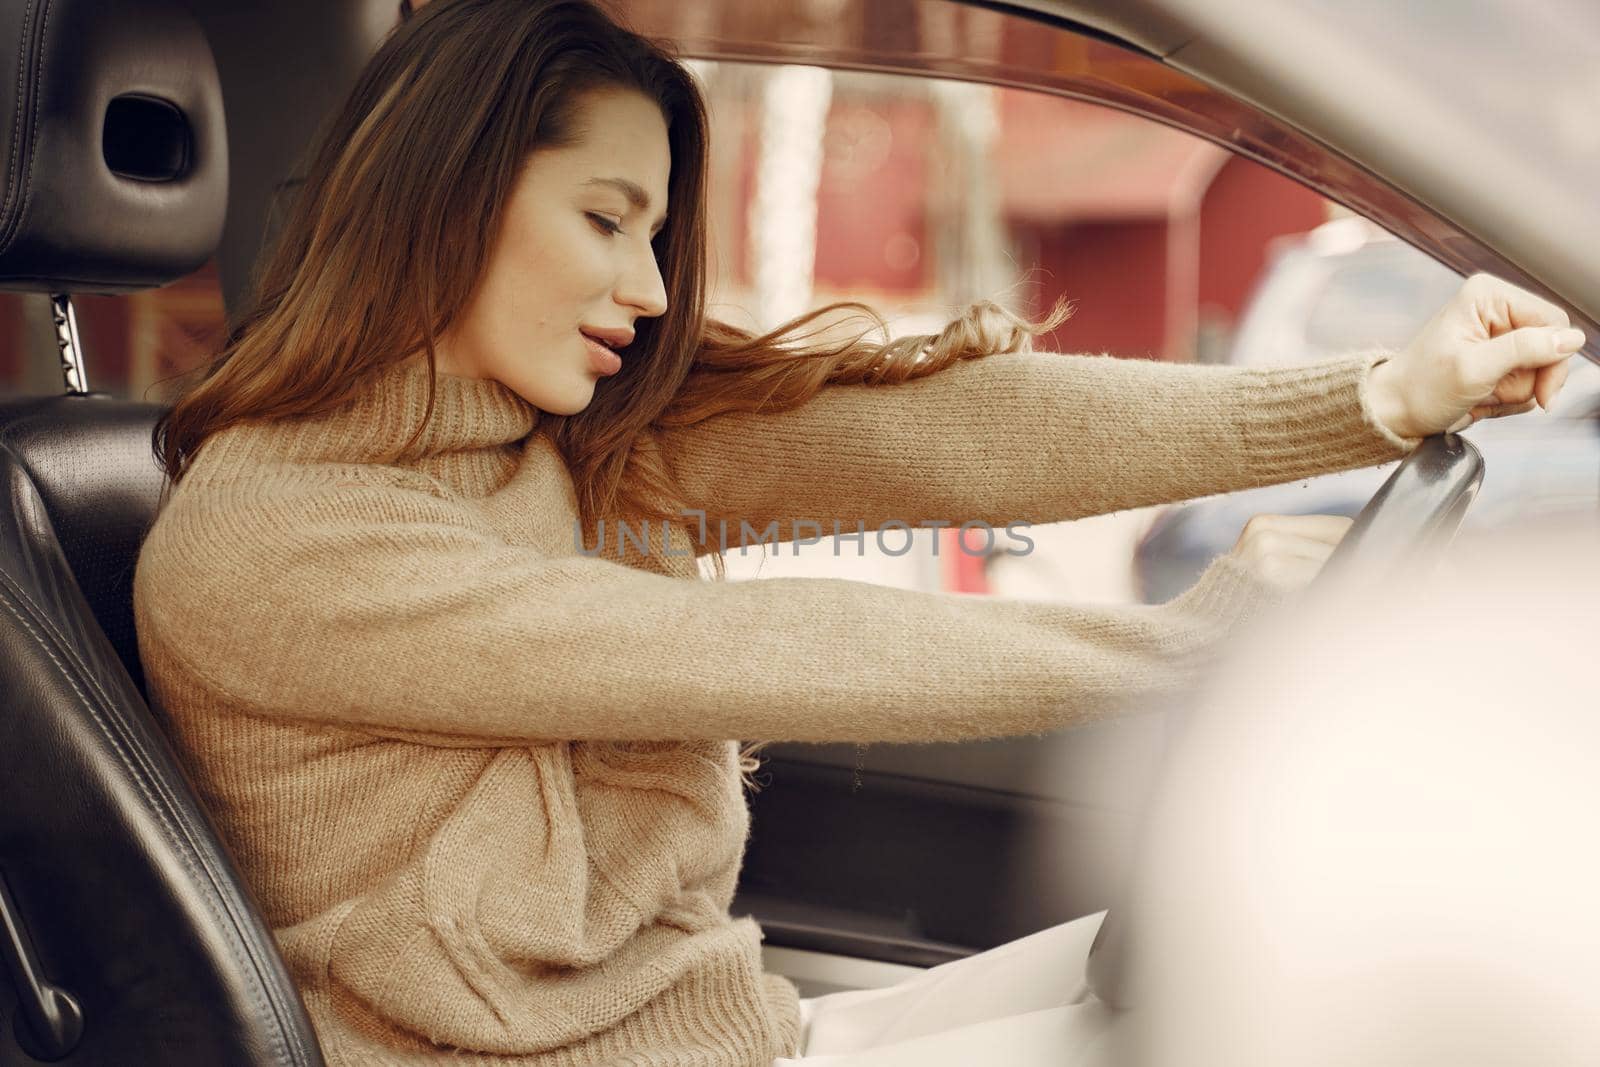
(391, 230)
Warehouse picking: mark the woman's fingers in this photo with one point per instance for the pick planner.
(1533, 363)
(1495, 411)
(1297, 572)
(1528, 348)
(1325, 528)
(1289, 572)
(1287, 551)
(1490, 349)
(1504, 306)
(1549, 382)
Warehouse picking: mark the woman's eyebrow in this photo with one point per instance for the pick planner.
(633, 191)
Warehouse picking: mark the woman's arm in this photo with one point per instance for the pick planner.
(390, 609)
(1030, 437)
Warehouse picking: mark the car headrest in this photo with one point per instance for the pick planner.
(115, 153)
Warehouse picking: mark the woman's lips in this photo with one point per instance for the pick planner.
(601, 359)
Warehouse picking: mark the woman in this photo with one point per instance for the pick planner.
(477, 771)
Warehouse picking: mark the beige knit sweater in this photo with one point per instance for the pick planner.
(485, 786)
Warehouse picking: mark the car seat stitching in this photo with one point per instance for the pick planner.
(145, 781)
(170, 818)
(12, 177)
(33, 122)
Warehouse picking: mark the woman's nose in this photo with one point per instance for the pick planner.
(642, 286)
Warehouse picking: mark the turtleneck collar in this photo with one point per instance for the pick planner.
(469, 415)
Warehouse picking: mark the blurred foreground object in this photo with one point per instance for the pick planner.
(1374, 841)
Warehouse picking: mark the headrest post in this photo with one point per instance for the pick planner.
(67, 343)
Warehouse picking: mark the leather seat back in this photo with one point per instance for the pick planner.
(128, 899)
(131, 938)
(89, 459)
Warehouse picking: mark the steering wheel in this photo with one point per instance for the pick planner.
(1415, 512)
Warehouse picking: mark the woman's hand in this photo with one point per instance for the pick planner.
(1493, 349)
(1287, 551)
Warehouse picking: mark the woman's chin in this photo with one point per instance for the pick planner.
(567, 401)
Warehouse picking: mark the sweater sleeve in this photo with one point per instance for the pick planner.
(392, 609)
(1028, 437)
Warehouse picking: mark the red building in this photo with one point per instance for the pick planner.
(1149, 230)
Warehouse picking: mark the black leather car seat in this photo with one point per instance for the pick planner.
(129, 936)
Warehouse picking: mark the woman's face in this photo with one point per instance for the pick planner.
(573, 260)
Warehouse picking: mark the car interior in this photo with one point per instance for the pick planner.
(130, 937)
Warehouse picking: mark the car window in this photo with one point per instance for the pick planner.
(1381, 294)
(918, 194)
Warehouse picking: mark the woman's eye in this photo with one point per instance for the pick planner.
(603, 224)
